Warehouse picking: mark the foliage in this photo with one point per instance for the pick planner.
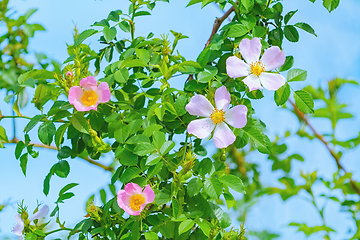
(143, 126)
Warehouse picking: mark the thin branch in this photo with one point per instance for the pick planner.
(321, 138)
(218, 23)
(96, 163)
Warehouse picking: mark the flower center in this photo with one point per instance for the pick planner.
(89, 98)
(257, 68)
(136, 201)
(217, 116)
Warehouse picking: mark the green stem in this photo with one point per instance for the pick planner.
(58, 230)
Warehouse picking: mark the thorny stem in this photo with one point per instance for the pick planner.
(321, 138)
(107, 168)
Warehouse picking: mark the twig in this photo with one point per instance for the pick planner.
(321, 138)
(107, 168)
(218, 23)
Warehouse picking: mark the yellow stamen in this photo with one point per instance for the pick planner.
(89, 98)
(136, 201)
(257, 68)
(217, 116)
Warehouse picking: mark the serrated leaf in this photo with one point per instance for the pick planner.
(289, 62)
(288, 16)
(67, 187)
(129, 174)
(109, 33)
(296, 75)
(153, 159)
(303, 101)
(237, 30)
(330, 5)
(194, 186)
(306, 27)
(23, 163)
(261, 141)
(62, 168)
(33, 122)
(282, 94)
(186, 225)
(46, 132)
(291, 33)
(144, 148)
(233, 182)
(84, 35)
(59, 135)
(80, 123)
(166, 147)
(213, 188)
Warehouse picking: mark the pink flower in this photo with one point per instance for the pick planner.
(257, 70)
(91, 96)
(216, 118)
(69, 74)
(19, 227)
(133, 199)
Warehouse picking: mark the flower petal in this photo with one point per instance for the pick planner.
(253, 82)
(201, 128)
(272, 81)
(132, 189)
(44, 210)
(236, 116)
(148, 194)
(250, 49)
(236, 67)
(273, 58)
(19, 227)
(103, 92)
(199, 106)
(222, 98)
(89, 83)
(223, 136)
(123, 200)
(75, 93)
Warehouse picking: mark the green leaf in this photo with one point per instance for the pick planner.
(122, 133)
(142, 54)
(114, 16)
(153, 159)
(109, 33)
(129, 174)
(133, 63)
(127, 158)
(296, 75)
(259, 31)
(233, 182)
(186, 225)
(288, 16)
(204, 57)
(303, 101)
(33, 122)
(80, 123)
(175, 207)
(23, 163)
(282, 94)
(124, 26)
(144, 148)
(46, 132)
(141, 13)
(194, 186)
(306, 27)
(151, 236)
(3, 134)
(153, 170)
(237, 30)
(162, 197)
(67, 187)
(166, 147)
(204, 226)
(62, 168)
(230, 200)
(261, 141)
(84, 35)
(289, 61)
(59, 135)
(192, 2)
(330, 5)
(213, 188)
(291, 33)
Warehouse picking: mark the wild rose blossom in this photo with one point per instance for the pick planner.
(19, 227)
(216, 118)
(132, 199)
(257, 70)
(90, 95)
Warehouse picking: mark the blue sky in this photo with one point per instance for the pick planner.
(334, 53)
